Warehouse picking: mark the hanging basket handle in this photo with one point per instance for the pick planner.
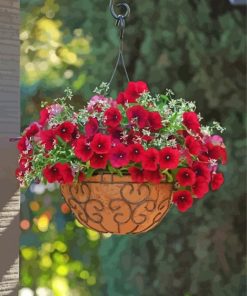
(120, 23)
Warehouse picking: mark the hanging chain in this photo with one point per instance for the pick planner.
(121, 23)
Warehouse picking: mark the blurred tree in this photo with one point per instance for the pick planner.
(197, 48)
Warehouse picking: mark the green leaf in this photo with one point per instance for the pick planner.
(61, 141)
(90, 172)
(169, 177)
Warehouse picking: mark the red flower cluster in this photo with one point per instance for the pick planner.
(199, 174)
(60, 172)
(132, 92)
(118, 136)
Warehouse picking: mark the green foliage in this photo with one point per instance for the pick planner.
(196, 48)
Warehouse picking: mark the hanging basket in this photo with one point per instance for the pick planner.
(112, 204)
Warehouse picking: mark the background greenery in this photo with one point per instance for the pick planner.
(195, 47)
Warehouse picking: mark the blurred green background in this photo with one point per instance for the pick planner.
(195, 47)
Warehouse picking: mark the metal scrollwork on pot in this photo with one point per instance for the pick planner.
(113, 204)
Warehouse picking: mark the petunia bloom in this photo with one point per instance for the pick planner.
(23, 144)
(101, 144)
(215, 152)
(91, 127)
(153, 177)
(169, 158)
(134, 90)
(66, 175)
(183, 200)
(137, 115)
(150, 159)
(217, 181)
(154, 121)
(200, 187)
(201, 170)
(82, 149)
(52, 173)
(119, 156)
(32, 130)
(81, 177)
(191, 121)
(99, 161)
(44, 116)
(48, 139)
(193, 145)
(135, 152)
(25, 163)
(113, 117)
(121, 98)
(186, 177)
(66, 131)
(137, 174)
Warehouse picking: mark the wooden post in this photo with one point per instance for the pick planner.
(9, 127)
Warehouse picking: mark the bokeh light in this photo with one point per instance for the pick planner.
(34, 206)
(25, 224)
(43, 223)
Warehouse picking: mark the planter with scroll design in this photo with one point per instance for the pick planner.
(109, 203)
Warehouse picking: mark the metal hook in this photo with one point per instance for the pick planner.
(120, 18)
(116, 16)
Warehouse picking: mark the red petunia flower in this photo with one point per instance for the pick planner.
(20, 174)
(217, 181)
(23, 144)
(135, 152)
(116, 133)
(119, 156)
(99, 161)
(24, 163)
(66, 176)
(200, 188)
(32, 130)
(201, 170)
(101, 144)
(150, 159)
(81, 177)
(113, 117)
(169, 158)
(48, 139)
(137, 175)
(83, 150)
(183, 200)
(223, 155)
(193, 145)
(137, 114)
(133, 137)
(186, 177)
(66, 131)
(153, 177)
(190, 120)
(134, 90)
(52, 173)
(44, 116)
(214, 152)
(121, 98)
(154, 121)
(147, 138)
(91, 127)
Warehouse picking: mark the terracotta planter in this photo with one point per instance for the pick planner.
(109, 203)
